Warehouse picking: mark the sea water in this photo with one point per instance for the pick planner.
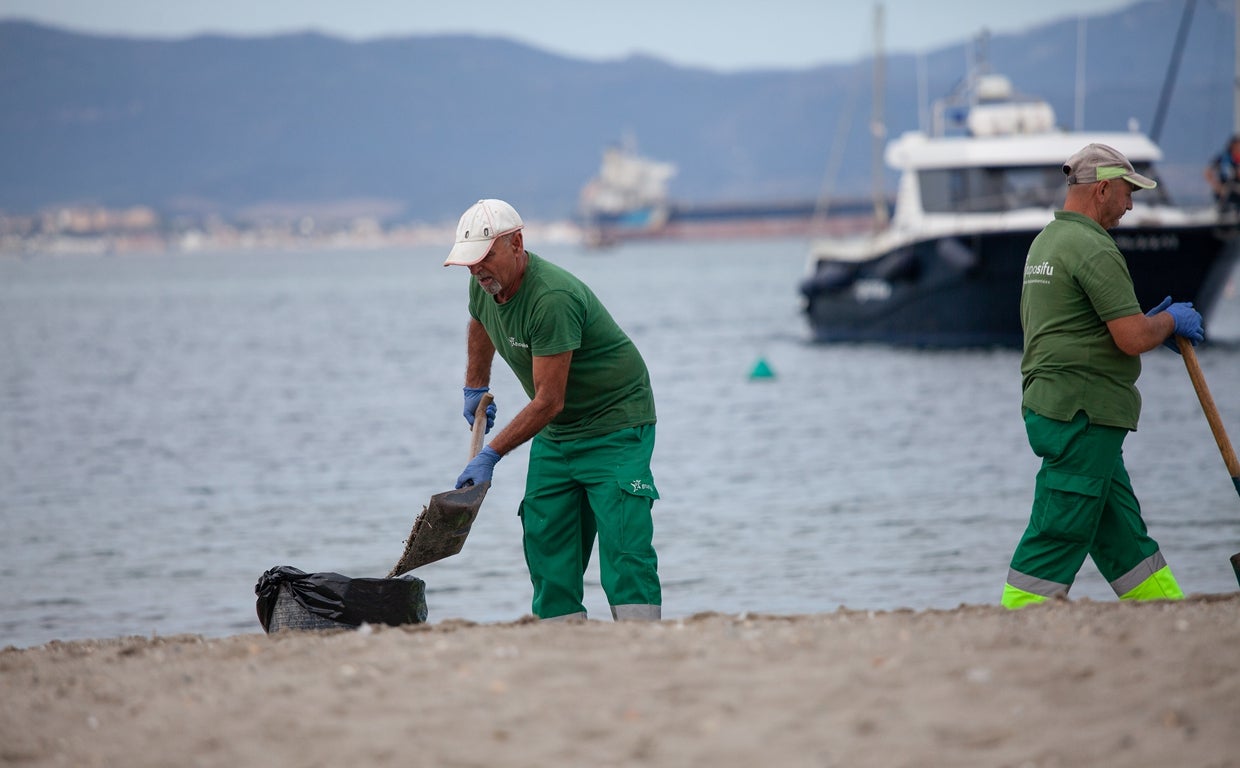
(171, 426)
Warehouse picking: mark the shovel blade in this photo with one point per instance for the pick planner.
(440, 529)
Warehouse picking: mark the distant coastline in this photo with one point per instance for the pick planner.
(92, 230)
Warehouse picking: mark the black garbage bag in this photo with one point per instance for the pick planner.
(325, 600)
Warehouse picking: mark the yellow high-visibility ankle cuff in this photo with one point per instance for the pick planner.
(1161, 585)
(1014, 598)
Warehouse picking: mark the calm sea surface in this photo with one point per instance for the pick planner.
(172, 426)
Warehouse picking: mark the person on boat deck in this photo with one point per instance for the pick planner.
(1223, 175)
(1084, 333)
(591, 419)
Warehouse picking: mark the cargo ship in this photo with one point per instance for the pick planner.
(628, 200)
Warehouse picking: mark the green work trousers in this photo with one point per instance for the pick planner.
(575, 490)
(1083, 504)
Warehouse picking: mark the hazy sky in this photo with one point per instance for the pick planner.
(723, 34)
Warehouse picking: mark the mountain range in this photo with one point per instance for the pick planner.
(417, 128)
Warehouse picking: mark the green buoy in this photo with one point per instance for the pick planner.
(761, 370)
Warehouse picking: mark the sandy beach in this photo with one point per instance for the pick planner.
(1065, 684)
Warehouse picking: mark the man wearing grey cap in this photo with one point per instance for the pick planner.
(590, 418)
(1084, 334)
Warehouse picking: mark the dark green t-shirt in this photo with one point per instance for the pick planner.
(1076, 280)
(552, 312)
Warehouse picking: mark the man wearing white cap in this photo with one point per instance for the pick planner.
(590, 418)
(1084, 334)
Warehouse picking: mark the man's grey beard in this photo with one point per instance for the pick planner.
(493, 287)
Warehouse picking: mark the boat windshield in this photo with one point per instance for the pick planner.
(1000, 188)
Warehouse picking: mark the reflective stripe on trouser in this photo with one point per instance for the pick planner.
(575, 490)
(579, 616)
(619, 613)
(636, 612)
(1083, 504)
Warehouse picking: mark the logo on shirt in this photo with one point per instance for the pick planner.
(512, 342)
(1038, 273)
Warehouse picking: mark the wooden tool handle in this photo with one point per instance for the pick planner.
(1207, 405)
(480, 424)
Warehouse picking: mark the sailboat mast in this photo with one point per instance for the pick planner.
(1079, 121)
(1177, 52)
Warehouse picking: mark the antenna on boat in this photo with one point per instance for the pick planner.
(878, 130)
(923, 118)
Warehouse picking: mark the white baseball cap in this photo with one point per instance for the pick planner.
(479, 226)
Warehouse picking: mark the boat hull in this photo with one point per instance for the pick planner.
(964, 291)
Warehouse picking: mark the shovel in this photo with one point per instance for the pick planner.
(1216, 424)
(440, 529)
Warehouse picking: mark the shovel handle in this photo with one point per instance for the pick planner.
(1207, 405)
(480, 425)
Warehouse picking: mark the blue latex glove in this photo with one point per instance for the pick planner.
(1187, 321)
(473, 395)
(1162, 307)
(479, 470)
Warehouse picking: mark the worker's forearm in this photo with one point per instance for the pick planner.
(1135, 334)
(480, 352)
(529, 422)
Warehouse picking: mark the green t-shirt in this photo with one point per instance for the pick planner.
(1076, 280)
(552, 312)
